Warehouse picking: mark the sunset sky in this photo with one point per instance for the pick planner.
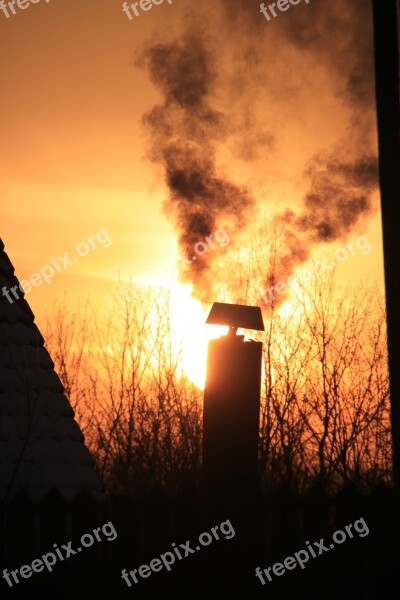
(75, 154)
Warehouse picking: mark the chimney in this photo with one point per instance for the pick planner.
(232, 402)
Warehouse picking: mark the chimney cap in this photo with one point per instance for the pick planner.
(236, 315)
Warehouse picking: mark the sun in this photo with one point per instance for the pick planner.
(190, 332)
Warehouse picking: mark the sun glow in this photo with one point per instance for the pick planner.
(190, 333)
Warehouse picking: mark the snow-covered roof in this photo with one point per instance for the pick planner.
(41, 445)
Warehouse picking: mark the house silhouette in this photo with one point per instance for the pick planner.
(42, 448)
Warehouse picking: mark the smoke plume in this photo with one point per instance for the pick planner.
(184, 131)
(264, 71)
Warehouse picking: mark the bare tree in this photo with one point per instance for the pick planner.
(69, 338)
(325, 406)
(145, 415)
(325, 393)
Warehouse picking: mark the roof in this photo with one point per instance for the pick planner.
(41, 445)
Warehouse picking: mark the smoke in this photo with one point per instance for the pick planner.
(340, 194)
(264, 72)
(340, 181)
(184, 132)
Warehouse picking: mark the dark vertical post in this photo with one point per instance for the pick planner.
(231, 415)
(386, 41)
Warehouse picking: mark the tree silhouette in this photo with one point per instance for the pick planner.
(325, 394)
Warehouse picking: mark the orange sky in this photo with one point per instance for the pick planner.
(73, 148)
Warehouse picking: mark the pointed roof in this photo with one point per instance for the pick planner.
(41, 445)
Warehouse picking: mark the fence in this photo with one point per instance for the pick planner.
(268, 529)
